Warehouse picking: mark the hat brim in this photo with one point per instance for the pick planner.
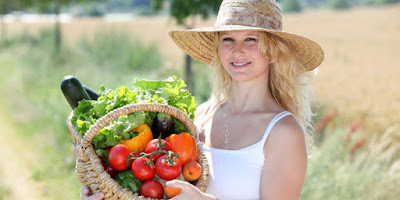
(198, 43)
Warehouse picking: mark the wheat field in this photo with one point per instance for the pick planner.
(359, 76)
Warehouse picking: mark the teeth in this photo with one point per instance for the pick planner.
(239, 64)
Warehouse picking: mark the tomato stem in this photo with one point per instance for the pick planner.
(171, 156)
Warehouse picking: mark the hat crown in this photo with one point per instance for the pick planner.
(253, 13)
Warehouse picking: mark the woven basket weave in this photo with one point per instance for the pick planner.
(89, 169)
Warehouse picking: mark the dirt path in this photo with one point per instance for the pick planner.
(16, 165)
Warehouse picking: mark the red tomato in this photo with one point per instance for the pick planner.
(152, 146)
(141, 170)
(166, 171)
(118, 156)
(152, 189)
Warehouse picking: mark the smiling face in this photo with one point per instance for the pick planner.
(240, 56)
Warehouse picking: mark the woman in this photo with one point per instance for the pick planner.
(254, 127)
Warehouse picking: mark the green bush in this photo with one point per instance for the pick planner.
(380, 2)
(291, 6)
(93, 9)
(122, 50)
(202, 75)
(339, 4)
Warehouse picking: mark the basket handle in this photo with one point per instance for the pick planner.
(131, 108)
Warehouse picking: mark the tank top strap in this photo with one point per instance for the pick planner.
(273, 122)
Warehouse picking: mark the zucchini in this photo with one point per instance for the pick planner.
(92, 94)
(73, 90)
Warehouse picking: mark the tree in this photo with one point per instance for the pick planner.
(6, 6)
(339, 4)
(181, 10)
(379, 2)
(291, 6)
(56, 5)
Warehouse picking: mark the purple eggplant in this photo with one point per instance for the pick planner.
(163, 125)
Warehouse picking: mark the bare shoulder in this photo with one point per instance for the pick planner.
(288, 127)
(286, 137)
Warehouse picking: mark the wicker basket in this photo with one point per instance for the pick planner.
(89, 169)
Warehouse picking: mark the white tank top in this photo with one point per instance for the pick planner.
(236, 174)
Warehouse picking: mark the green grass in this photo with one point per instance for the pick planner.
(337, 172)
(4, 191)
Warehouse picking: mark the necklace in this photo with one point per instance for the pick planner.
(226, 132)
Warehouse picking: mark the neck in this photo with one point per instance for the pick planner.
(251, 97)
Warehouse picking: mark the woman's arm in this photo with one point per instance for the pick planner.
(285, 161)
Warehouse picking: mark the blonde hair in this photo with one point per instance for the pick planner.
(289, 81)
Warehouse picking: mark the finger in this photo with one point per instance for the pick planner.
(85, 193)
(97, 196)
(176, 183)
(85, 190)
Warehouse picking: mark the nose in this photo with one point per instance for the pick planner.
(238, 48)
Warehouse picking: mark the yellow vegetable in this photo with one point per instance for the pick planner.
(139, 142)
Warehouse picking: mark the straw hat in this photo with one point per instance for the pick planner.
(249, 15)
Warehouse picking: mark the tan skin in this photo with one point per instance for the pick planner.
(285, 150)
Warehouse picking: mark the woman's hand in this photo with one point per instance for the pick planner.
(189, 191)
(86, 194)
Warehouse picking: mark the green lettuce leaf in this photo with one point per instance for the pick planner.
(171, 91)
